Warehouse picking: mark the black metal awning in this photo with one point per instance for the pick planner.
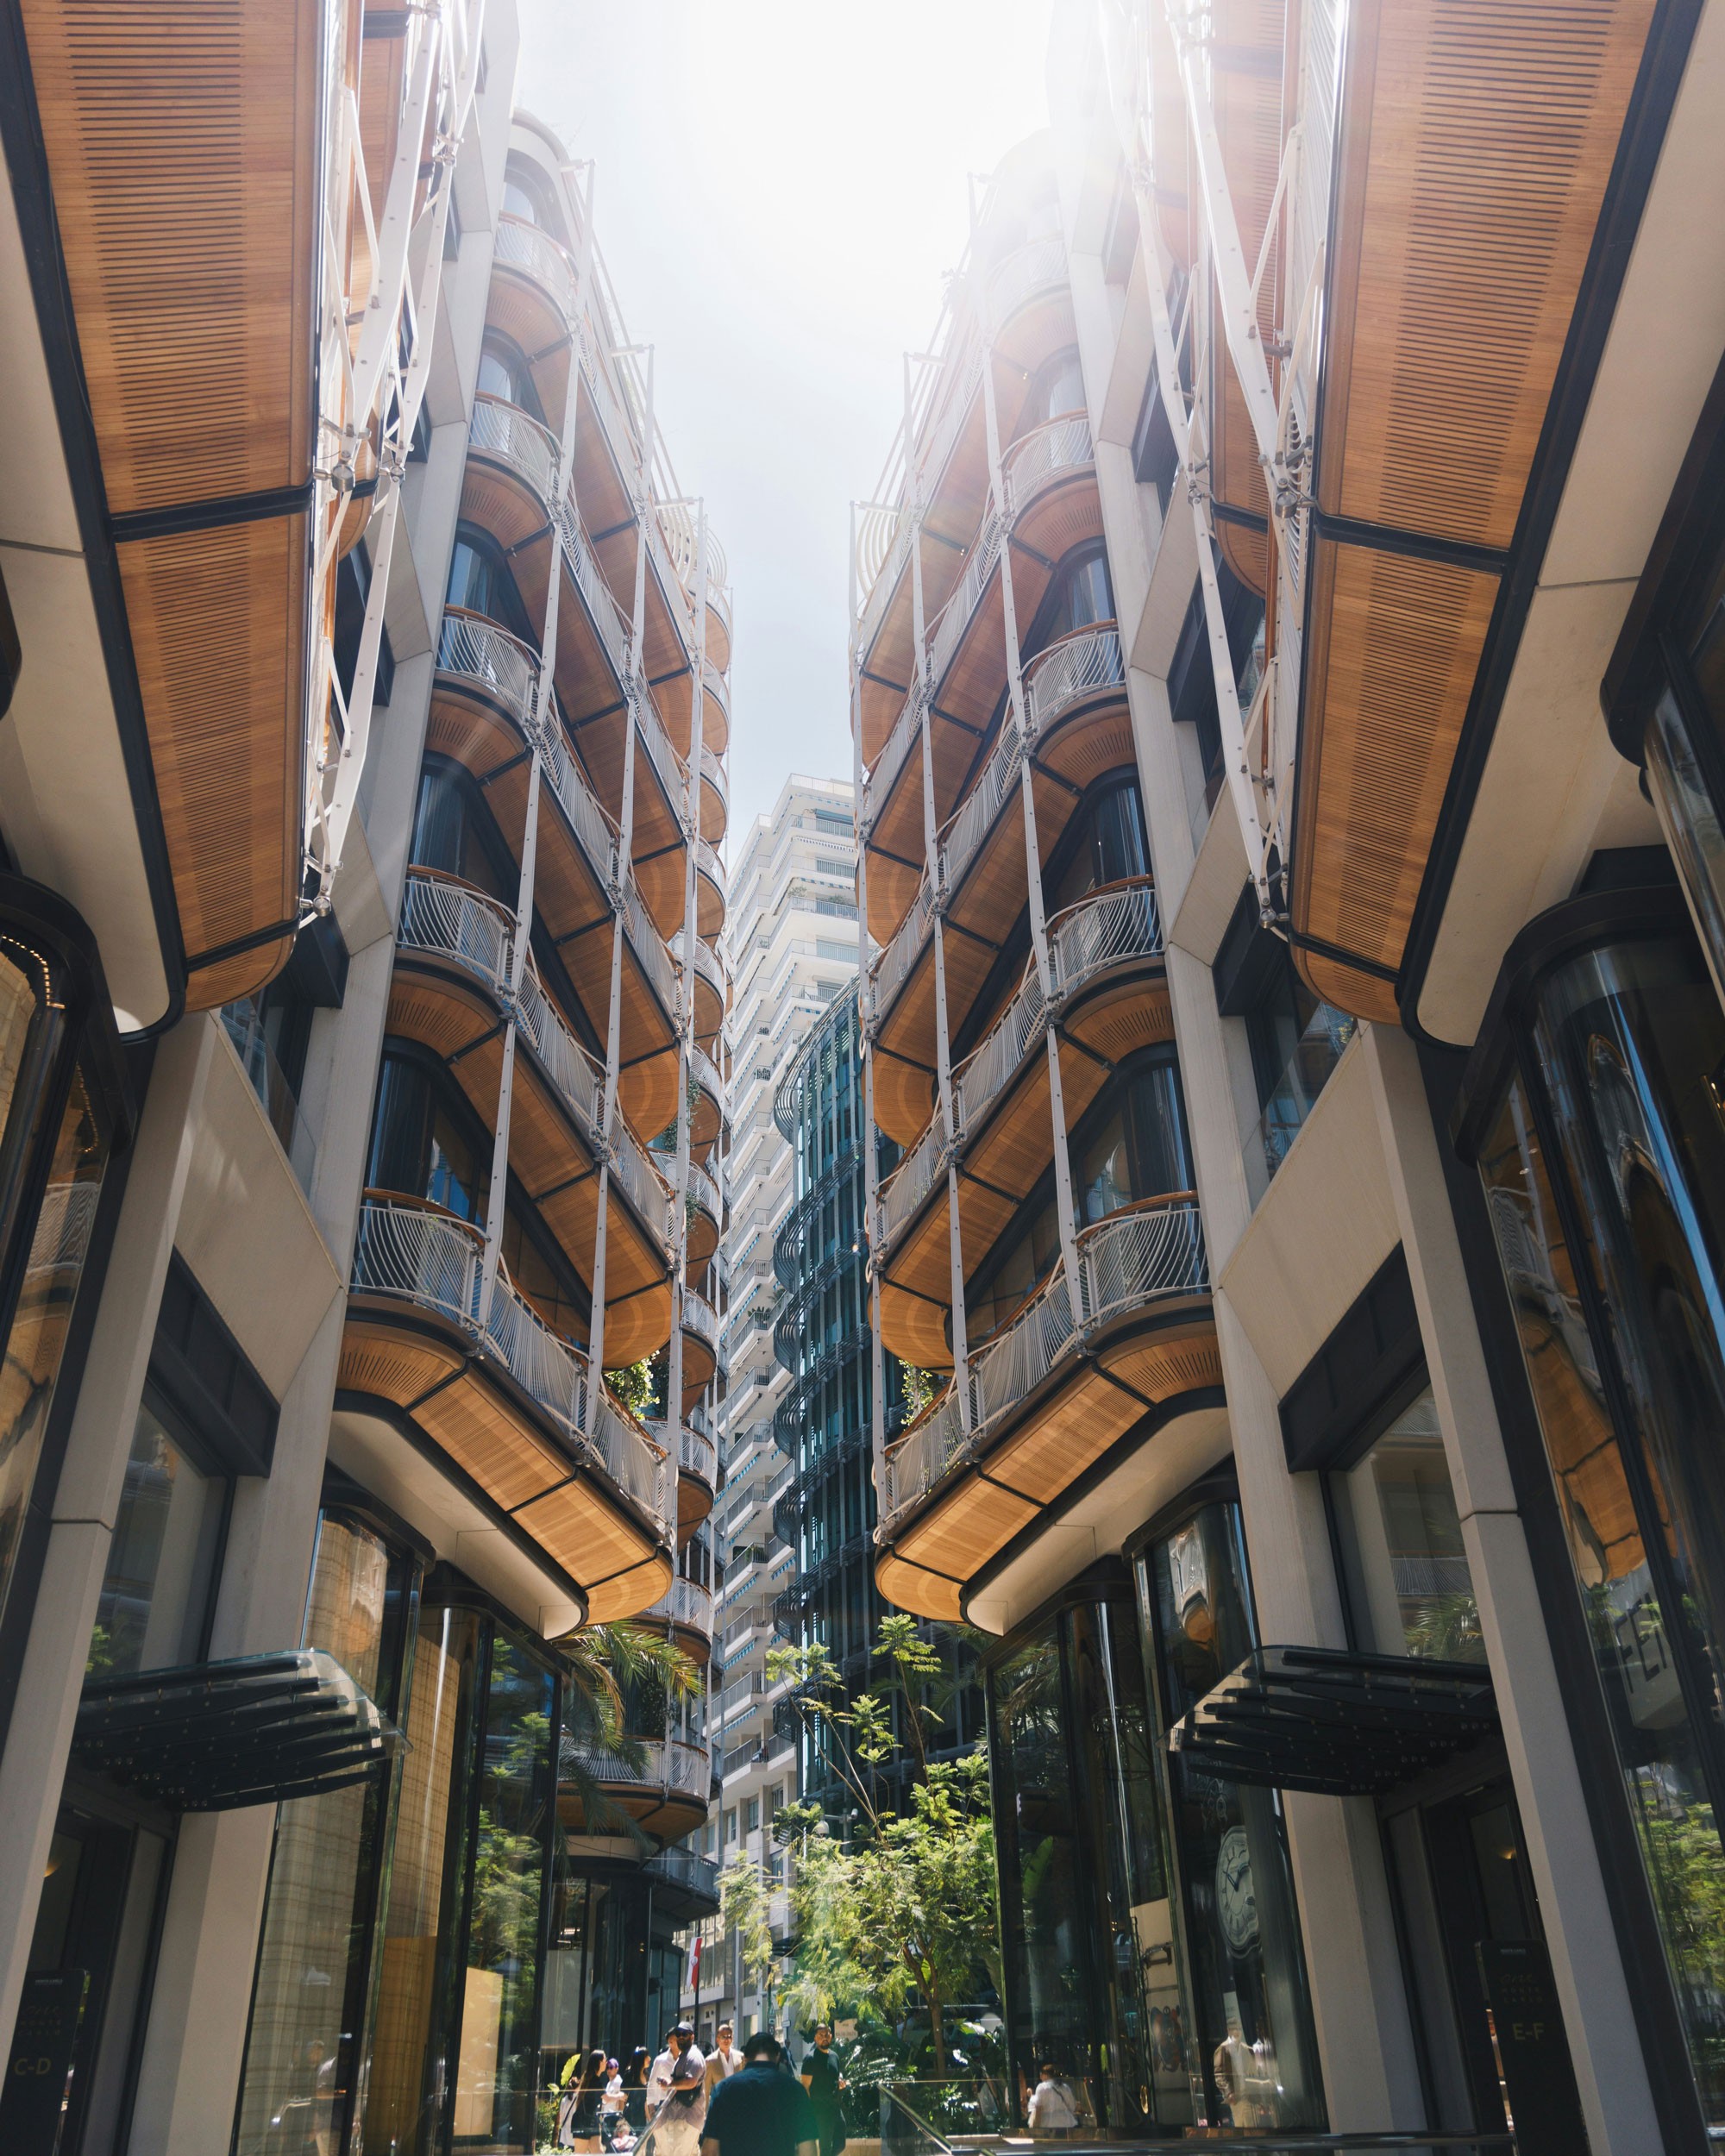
(1342, 1725)
(214, 1736)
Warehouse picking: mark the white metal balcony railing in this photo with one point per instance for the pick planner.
(686, 1603)
(1124, 1263)
(677, 1768)
(1099, 931)
(602, 607)
(649, 948)
(707, 861)
(432, 1259)
(704, 1191)
(672, 772)
(706, 961)
(514, 438)
(704, 1072)
(1038, 267)
(526, 246)
(700, 1318)
(697, 1454)
(947, 629)
(1048, 452)
(454, 921)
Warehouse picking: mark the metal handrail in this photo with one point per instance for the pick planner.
(684, 1769)
(1119, 922)
(528, 247)
(1048, 452)
(474, 648)
(502, 429)
(1028, 270)
(1135, 1256)
(673, 772)
(451, 919)
(712, 774)
(1065, 673)
(686, 1602)
(947, 631)
(647, 1187)
(420, 1253)
(649, 947)
(601, 605)
(704, 1191)
(700, 1318)
(706, 960)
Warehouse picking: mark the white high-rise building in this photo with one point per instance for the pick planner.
(791, 942)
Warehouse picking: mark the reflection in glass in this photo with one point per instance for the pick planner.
(305, 2048)
(1409, 1589)
(497, 2066)
(1091, 1986)
(1689, 821)
(31, 1041)
(1251, 2057)
(161, 1559)
(1110, 844)
(1622, 1332)
(409, 2075)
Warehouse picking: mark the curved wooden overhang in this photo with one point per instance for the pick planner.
(715, 714)
(718, 626)
(1003, 1157)
(1150, 1365)
(1490, 174)
(168, 189)
(709, 893)
(1062, 513)
(438, 1003)
(700, 1346)
(986, 902)
(531, 295)
(709, 985)
(478, 728)
(465, 1411)
(661, 1809)
(707, 1117)
(695, 1497)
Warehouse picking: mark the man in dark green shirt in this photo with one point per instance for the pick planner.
(761, 2111)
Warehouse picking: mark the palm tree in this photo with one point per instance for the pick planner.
(602, 1667)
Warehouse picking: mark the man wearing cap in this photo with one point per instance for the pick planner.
(680, 2091)
(763, 2111)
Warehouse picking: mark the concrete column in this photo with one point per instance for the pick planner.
(1610, 2069)
(92, 1476)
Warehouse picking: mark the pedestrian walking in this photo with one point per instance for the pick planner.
(723, 2059)
(761, 2110)
(680, 2112)
(1053, 2113)
(824, 2082)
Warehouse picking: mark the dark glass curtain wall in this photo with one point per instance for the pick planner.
(1603, 1152)
(1084, 1895)
(1245, 2024)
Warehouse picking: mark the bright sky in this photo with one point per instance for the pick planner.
(781, 185)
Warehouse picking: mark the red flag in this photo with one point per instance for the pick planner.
(692, 1982)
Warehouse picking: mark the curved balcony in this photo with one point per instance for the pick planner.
(715, 796)
(511, 1403)
(504, 434)
(666, 1794)
(530, 251)
(1029, 272)
(449, 931)
(1058, 1395)
(706, 1215)
(709, 891)
(709, 1118)
(1035, 472)
(709, 985)
(715, 709)
(1105, 930)
(1067, 677)
(700, 1345)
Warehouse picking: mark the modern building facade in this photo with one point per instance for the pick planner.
(359, 790)
(1289, 779)
(828, 1513)
(791, 944)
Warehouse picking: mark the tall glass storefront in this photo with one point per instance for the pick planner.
(1151, 1944)
(1596, 1117)
(397, 2005)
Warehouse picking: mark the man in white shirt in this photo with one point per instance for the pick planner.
(1051, 2110)
(676, 2095)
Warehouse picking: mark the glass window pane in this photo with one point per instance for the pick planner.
(161, 1561)
(1608, 1524)
(1409, 1589)
(1250, 2053)
(496, 2067)
(54, 1265)
(309, 2006)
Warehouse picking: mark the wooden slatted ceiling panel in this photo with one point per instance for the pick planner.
(1390, 668)
(1245, 88)
(218, 630)
(1478, 138)
(909, 1587)
(628, 1595)
(182, 137)
(914, 1329)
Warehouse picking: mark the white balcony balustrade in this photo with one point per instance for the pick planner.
(1151, 1253)
(417, 1253)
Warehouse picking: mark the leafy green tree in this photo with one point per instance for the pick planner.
(908, 1907)
(745, 1911)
